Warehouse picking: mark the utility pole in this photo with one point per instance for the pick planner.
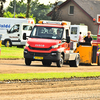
(14, 7)
(28, 8)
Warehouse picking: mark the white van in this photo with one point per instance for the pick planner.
(76, 29)
(75, 32)
(14, 36)
(7, 23)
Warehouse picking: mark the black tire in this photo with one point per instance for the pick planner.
(99, 60)
(75, 63)
(46, 63)
(27, 61)
(60, 62)
(20, 46)
(9, 44)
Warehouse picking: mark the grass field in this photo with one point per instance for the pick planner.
(31, 76)
(11, 52)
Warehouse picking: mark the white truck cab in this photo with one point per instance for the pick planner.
(75, 32)
(13, 37)
(76, 29)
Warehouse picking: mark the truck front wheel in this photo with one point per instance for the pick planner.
(27, 61)
(60, 62)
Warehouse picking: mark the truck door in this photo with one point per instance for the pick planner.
(14, 35)
(74, 33)
(66, 46)
(26, 29)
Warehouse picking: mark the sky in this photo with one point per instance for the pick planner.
(41, 1)
(47, 1)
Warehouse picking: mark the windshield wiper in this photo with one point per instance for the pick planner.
(36, 37)
(47, 37)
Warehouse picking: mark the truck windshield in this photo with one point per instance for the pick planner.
(73, 30)
(47, 32)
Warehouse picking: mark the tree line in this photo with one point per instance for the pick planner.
(31, 9)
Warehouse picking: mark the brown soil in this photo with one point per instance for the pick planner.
(18, 66)
(79, 89)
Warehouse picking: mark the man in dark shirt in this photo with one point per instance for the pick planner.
(88, 39)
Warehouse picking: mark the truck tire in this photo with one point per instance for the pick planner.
(27, 61)
(99, 60)
(60, 62)
(9, 45)
(75, 63)
(20, 46)
(46, 63)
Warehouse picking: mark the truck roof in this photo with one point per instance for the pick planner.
(50, 25)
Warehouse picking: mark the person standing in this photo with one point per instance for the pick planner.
(80, 37)
(88, 39)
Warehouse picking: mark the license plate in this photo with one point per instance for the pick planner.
(35, 57)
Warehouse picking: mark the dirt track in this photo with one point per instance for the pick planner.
(88, 89)
(18, 66)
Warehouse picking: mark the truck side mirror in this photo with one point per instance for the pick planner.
(24, 36)
(8, 31)
(68, 39)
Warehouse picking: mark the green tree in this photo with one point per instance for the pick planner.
(20, 7)
(40, 10)
(28, 8)
(56, 13)
(1, 7)
(37, 10)
(11, 15)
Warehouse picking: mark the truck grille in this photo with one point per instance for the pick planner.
(38, 54)
(39, 48)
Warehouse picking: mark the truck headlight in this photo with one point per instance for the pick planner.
(55, 46)
(27, 44)
(53, 54)
(25, 51)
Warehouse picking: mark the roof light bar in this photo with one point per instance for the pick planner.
(52, 22)
(40, 22)
(64, 23)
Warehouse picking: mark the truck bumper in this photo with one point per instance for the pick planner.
(53, 56)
